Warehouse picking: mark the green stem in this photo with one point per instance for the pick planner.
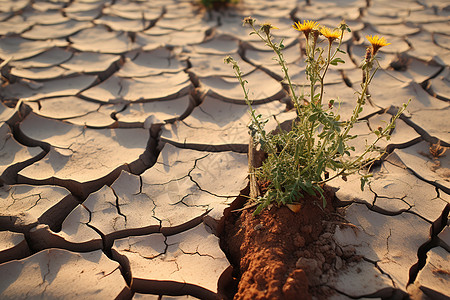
(238, 74)
(330, 58)
(352, 121)
(360, 102)
(370, 148)
(282, 63)
(324, 72)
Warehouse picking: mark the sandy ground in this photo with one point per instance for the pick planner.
(123, 138)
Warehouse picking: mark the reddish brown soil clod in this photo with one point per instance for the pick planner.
(266, 248)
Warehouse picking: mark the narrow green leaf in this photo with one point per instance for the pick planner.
(363, 182)
(312, 118)
(258, 209)
(337, 60)
(340, 147)
(320, 168)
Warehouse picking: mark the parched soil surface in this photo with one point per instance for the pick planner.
(123, 137)
(280, 254)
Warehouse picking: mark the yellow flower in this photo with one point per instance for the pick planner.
(377, 42)
(330, 35)
(306, 27)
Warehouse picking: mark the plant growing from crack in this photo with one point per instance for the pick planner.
(216, 4)
(316, 149)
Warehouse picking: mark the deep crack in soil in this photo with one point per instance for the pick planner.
(280, 254)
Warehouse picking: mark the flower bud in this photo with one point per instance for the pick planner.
(315, 33)
(248, 20)
(266, 27)
(368, 56)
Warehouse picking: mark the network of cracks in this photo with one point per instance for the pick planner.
(123, 138)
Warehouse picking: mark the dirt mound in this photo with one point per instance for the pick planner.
(280, 254)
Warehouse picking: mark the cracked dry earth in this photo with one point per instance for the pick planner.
(123, 138)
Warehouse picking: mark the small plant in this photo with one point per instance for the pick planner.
(316, 149)
(215, 4)
(437, 150)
